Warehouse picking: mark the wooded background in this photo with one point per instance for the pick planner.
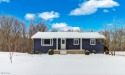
(15, 35)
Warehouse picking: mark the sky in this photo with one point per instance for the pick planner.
(66, 14)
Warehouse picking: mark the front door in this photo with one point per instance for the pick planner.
(63, 43)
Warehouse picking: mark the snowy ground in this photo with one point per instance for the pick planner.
(94, 64)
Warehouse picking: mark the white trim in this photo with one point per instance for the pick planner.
(80, 43)
(57, 44)
(74, 41)
(51, 42)
(92, 41)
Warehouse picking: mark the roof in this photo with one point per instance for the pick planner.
(85, 35)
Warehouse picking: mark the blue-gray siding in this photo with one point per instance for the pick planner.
(99, 47)
(43, 49)
(69, 45)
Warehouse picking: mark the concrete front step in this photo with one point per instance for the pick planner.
(63, 52)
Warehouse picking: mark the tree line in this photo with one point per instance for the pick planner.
(115, 36)
(15, 35)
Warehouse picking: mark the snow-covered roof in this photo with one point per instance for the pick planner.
(85, 35)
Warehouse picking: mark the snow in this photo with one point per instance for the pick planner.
(84, 35)
(80, 64)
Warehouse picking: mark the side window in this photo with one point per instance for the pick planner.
(92, 41)
(76, 41)
(47, 42)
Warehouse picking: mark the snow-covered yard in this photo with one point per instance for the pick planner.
(94, 64)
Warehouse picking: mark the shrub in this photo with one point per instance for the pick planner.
(90, 52)
(94, 51)
(51, 52)
(87, 52)
(106, 48)
(106, 52)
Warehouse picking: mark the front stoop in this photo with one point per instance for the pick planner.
(63, 52)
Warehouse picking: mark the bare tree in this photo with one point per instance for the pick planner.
(12, 31)
(115, 36)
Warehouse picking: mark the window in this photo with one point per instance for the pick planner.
(92, 41)
(63, 41)
(47, 42)
(76, 41)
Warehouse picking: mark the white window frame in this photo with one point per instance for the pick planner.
(76, 43)
(92, 41)
(51, 42)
